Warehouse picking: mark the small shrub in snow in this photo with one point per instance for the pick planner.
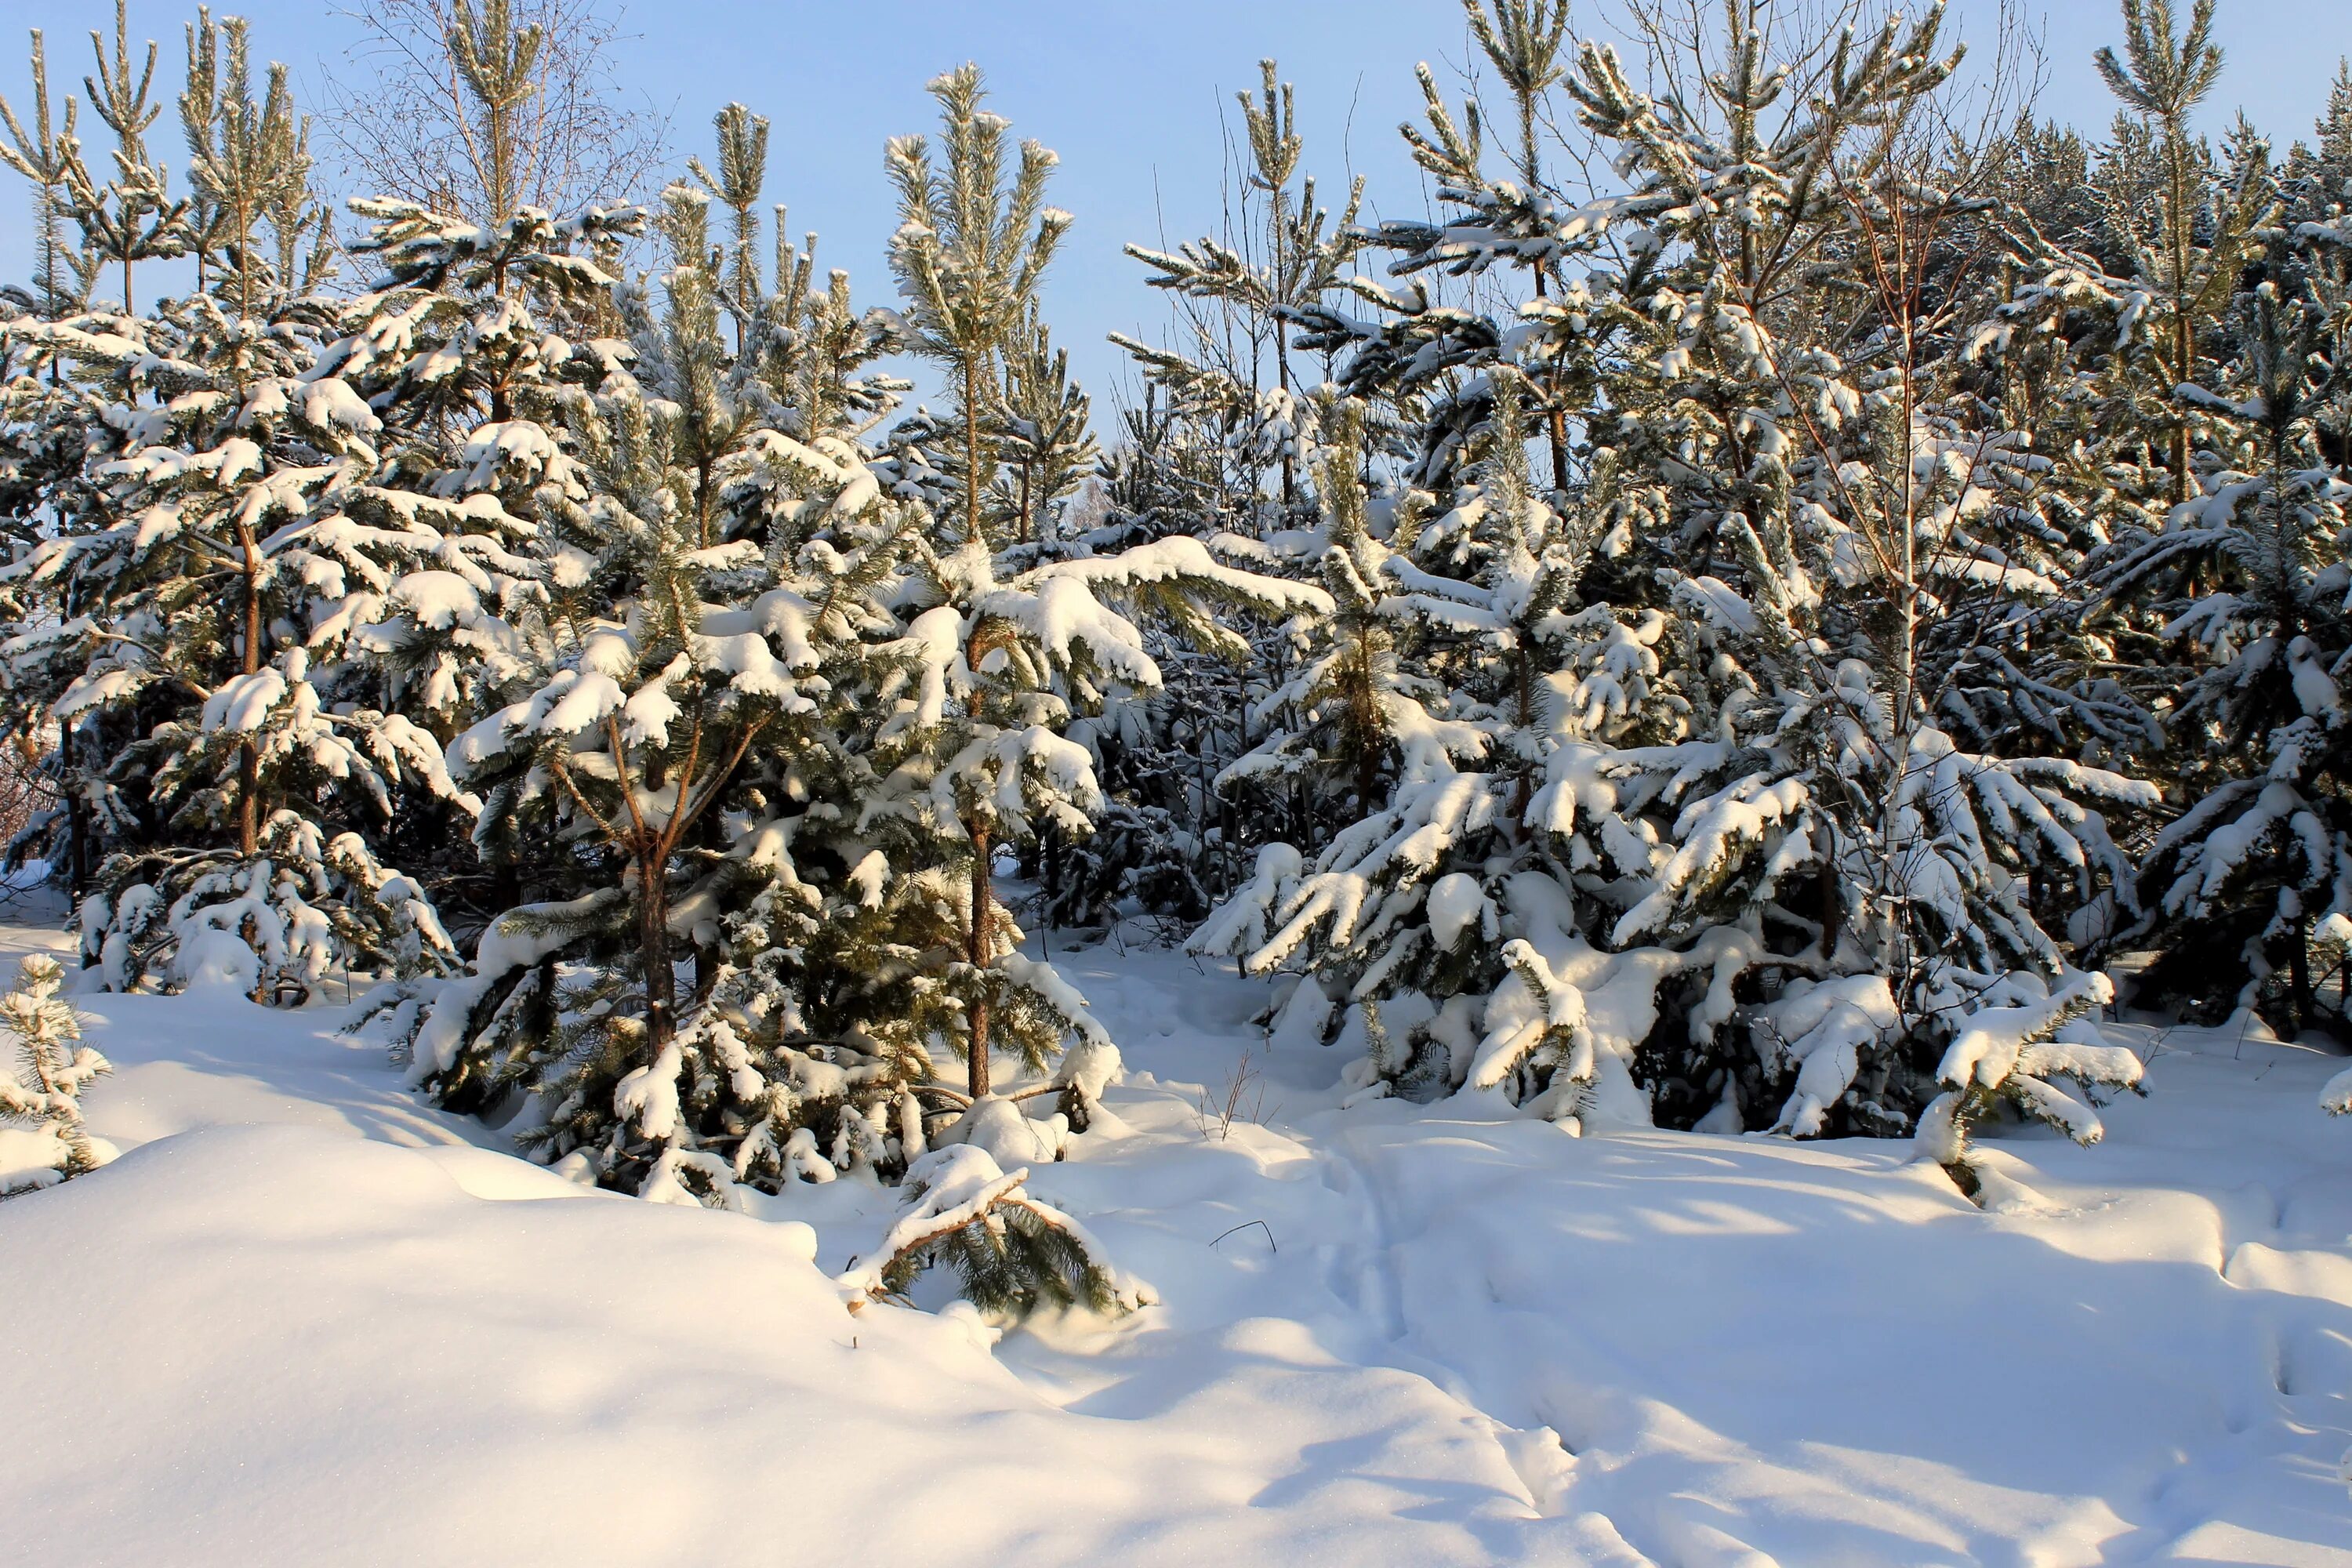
(41, 1137)
(2016, 1042)
(1013, 1253)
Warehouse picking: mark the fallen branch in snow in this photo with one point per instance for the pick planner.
(1244, 1226)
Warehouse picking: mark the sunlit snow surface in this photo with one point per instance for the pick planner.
(305, 1319)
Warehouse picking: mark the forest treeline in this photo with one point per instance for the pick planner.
(1753, 613)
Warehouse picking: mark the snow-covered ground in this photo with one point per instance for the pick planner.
(305, 1319)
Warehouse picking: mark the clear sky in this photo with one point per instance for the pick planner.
(1129, 95)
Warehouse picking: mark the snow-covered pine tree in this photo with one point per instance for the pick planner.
(248, 168)
(2021, 1036)
(41, 1137)
(63, 272)
(968, 254)
(1284, 254)
(425, 571)
(2188, 244)
(976, 755)
(2124, 282)
(231, 770)
(1043, 442)
(975, 759)
(2251, 578)
(180, 619)
(710, 578)
(131, 218)
(1011, 1252)
(1225, 448)
(50, 417)
(1852, 490)
(46, 420)
(1795, 477)
(1449, 930)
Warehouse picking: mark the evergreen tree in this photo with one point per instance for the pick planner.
(1483, 701)
(2012, 1049)
(1043, 438)
(41, 1137)
(131, 218)
(970, 254)
(1796, 486)
(712, 547)
(2187, 251)
(2252, 577)
(62, 275)
(249, 166)
(190, 636)
(1272, 274)
(1013, 1253)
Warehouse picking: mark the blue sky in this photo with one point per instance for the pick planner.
(1129, 94)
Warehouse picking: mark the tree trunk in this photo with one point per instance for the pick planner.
(1555, 419)
(1289, 461)
(1049, 857)
(653, 946)
(2298, 976)
(971, 533)
(248, 791)
(78, 866)
(976, 953)
(248, 755)
(1523, 791)
(1832, 909)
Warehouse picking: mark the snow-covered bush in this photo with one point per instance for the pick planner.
(1011, 1252)
(41, 1136)
(309, 914)
(2018, 1039)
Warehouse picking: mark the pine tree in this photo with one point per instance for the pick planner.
(1795, 488)
(1013, 1253)
(2249, 576)
(62, 275)
(2188, 249)
(131, 218)
(970, 254)
(189, 637)
(1042, 436)
(1521, 39)
(249, 165)
(41, 1137)
(743, 171)
(2021, 1036)
(1273, 273)
(1484, 701)
(709, 578)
